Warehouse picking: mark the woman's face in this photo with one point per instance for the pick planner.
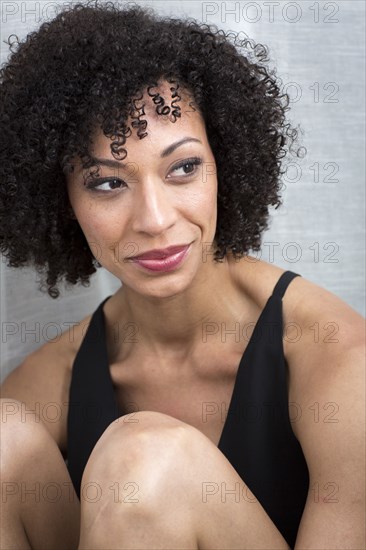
(163, 194)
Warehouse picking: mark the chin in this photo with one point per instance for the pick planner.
(161, 286)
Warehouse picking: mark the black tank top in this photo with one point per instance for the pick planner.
(257, 436)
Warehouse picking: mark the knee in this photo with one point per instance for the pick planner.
(21, 434)
(145, 442)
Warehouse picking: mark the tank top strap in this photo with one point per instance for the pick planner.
(102, 303)
(283, 282)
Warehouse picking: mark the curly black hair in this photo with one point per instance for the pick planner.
(88, 65)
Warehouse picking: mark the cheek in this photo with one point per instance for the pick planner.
(101, 226)
(207, 202)
(97, 220)
(103, 234)
(203, 198)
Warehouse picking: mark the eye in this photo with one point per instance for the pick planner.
(108, 184)
(192, 165)
(104, 184)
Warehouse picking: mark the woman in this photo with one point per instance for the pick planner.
(186, 418)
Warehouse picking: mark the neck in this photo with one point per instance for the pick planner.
(179, 323)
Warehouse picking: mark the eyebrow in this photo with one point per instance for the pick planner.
(165, 153)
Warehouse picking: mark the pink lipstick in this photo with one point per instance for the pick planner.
(166, 260)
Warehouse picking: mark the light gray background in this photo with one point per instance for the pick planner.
(318, 49)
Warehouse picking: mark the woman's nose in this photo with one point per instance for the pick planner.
(153, 210)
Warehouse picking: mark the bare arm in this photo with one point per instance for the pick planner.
(40, 383)
(328, 382)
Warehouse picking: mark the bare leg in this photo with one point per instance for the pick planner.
(158, 483)
(39, 507)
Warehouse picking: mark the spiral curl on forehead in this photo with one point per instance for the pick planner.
(135, 114)
(121, 131)
(176, 112)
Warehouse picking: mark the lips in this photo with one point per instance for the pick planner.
(160, 253)
(163, 264)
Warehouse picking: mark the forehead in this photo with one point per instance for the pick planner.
(160, 129)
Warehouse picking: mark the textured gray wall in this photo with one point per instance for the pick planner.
(318, 49)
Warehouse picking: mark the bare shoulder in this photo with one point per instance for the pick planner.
(320, 329)
(312, 315)
(42, 380)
